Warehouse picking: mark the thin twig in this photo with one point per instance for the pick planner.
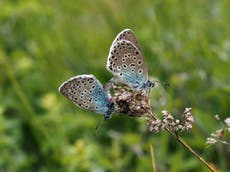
(185, 145)
(152, 158)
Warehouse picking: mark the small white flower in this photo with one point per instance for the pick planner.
(187, 110)
(217, 117)
(227, 121)
(190, 118)
(177, 121)
(151, 128)
(219, 133)
(164, 112)
(211, 140)
(213, 135)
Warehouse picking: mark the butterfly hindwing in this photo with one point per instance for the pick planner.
(125, 61)
(127, 34)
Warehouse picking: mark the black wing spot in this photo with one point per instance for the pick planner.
(132, 65)
(118, 67)
(139, 62)
(124, 66)
(140, 71)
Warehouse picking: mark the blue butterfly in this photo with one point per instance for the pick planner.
(86, 92)
(126, 62)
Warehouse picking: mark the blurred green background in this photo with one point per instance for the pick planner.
(43, 43)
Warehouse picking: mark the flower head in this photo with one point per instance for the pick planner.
(128, 101)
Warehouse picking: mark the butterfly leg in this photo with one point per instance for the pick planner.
(107, 86)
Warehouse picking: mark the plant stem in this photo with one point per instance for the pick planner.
(185, 145)
(152, 158)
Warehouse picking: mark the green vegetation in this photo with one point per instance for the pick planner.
(43, 43)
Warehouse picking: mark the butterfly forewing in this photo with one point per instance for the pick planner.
(86, 92)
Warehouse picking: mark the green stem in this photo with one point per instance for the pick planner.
(153, 159)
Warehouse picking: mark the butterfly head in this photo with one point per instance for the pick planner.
(148, 85)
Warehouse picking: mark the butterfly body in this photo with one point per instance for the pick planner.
(126, 62)
(86, 92)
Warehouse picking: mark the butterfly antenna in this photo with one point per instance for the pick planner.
(164, 84)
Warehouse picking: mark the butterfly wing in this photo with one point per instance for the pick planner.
(127, 34)
(86, 92)
(126, 62)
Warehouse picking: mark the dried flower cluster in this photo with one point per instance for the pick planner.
(155, 125)
(219, 135)
(128, 101)
(137, 103)
(169, 122)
